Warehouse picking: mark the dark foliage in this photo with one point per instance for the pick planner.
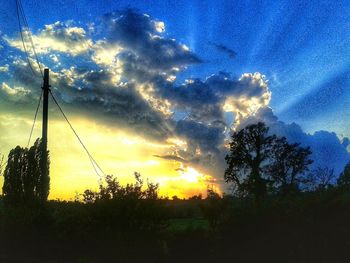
(260, 164)
(289, 163)
(126, 210)
(196, 230)
(248, 161)
(321, 179)
(344, 178)
(301, 216)
(24, 180)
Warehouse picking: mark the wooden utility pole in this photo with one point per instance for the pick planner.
(46, 90)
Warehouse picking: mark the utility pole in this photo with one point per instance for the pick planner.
(46, 90)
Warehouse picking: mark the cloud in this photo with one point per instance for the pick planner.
(13, 93)
(207, 101)
(345, 142)
(144, 43)
(126, 78)
(171, 157)
(4, 68)
(125, 107)
(19, 94)
(206, 138)
(105, 54)
(327, 149)
(59, 36)
(224, 49)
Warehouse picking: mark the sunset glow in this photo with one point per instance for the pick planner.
(151, 93)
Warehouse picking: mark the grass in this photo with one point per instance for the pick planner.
(184, 224)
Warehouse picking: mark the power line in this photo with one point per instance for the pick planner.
(92, 160)
(20, 13)
(36, 113)
(2, 165)
(21, 33)
(30, 36)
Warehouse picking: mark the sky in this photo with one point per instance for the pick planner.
(157, 86)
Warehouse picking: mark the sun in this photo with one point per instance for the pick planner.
(191, 175)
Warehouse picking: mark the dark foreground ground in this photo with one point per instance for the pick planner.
(313, 228)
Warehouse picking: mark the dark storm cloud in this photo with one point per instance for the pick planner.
(24, 77)
(207, 138)
(119, 105)
(224, 49)
(197, 98)
(204, 149)
(172, 158)
(141, 35)
(93, 93)
(126, 107)
(21, 93)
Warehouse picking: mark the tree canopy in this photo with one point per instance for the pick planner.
(344, 178)
(260, 163)
(24, 179)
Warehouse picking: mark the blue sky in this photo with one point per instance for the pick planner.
(302, 48)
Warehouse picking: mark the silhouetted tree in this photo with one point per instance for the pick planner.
(90, 196)
(13, 176)
(113, 190)
(175, 198)
(248, 160)
(128, 208)
(213, 208)
(151, 192)
(195, 197)
(322, 178)
(288, 166)
(23, 177)
(344, 178)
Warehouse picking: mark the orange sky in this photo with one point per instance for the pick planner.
(118, 152)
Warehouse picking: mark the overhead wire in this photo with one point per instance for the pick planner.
(92, 160)
(2, 165)
(21, 14)
(30, 36)
(22, 38)
(36, 114)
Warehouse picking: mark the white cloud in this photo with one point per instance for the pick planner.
(159, 26)
(54, 58)
(254, 96)
(13, 93)
(105, 54)
(4, 68)
(59, 37)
